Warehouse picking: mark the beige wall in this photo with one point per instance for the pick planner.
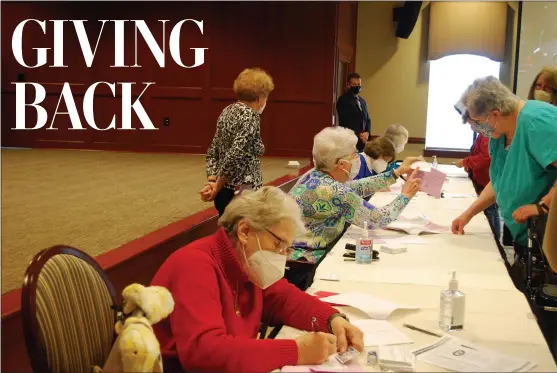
(395, 72)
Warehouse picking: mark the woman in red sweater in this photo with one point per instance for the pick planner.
(477, 165)
(225, 284)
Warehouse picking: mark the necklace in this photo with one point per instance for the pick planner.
(236, 306)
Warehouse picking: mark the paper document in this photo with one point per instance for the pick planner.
(380, 333)
(416, 225)
(396, 359)
(376, 308)
(459, 195)
(459, 355)
(432, 182)
(331, 365)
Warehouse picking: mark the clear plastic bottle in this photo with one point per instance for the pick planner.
(453, 301)
(364, 247)
(434, 162)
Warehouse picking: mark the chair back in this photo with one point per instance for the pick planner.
(67, 314)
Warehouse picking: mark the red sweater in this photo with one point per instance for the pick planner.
(478, 161)
(205, 333)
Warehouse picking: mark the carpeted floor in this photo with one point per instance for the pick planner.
(95, 201)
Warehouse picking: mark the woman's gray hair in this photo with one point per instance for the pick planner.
(331, 144)
(262, 209)
(487, 94)
(397, 133)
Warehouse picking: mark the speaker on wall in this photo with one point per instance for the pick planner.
(405, 18)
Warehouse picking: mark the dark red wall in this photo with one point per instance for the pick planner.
(295, 42)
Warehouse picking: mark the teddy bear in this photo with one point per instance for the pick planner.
(137, 349)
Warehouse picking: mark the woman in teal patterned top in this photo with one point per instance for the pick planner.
(328, 199)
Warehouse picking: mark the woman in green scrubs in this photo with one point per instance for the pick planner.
(523, 149)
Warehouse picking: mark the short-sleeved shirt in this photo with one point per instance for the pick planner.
(523, 174)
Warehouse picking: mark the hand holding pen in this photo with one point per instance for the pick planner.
(315, 348)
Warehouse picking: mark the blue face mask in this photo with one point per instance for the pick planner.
(483, 128)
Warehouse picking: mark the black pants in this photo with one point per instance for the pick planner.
(223, 198)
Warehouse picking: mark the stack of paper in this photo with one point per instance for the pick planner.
(331, 365)
(396, 359)
(459, 355)
(416, 225)
(376, 308)
(431, 182)
(380, 333)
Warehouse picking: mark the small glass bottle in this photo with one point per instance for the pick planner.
(434, 162)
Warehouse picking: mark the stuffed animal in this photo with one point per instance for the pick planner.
(137, 349)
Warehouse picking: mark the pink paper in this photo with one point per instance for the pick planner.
(432, 182)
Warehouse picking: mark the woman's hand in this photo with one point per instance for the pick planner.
(347, 334)
(208, 193)
(315, 348)
(523, 213)
(409, 161)
(459, 223)
(412, 185)
(402, 170)
(460, 163)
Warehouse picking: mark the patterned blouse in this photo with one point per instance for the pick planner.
(327, 205)
(235, 149)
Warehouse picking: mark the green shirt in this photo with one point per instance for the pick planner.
(522, 174)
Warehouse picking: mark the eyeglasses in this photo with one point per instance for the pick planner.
(282, 245)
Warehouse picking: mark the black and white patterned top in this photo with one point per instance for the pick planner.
(236, 148)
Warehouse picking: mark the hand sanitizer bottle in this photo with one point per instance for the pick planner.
(434, 162)
(451, 315)
(364, 247)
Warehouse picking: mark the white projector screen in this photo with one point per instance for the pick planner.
(538, 42)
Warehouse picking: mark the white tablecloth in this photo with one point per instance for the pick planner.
(497, 315)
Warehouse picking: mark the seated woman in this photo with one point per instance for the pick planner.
(328, 199)
(523, 153)
(225, 284)
(375, 158)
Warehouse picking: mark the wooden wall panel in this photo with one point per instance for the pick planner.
(294, 41)
(347, 30)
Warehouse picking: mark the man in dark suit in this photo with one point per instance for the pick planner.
(352, 111)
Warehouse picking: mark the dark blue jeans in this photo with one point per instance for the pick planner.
(492, 214)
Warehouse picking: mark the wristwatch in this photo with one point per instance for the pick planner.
(543, 206)
(334, 316)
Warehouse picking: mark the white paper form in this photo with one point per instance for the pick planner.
(331, 365)
(417, 225)
(376, 308)
(380, 333)
(459, 355)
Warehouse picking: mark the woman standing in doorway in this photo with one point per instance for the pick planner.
(232, 159)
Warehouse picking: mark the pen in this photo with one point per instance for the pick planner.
(421, 330)
(314, 324)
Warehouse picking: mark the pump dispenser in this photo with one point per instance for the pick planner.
(364, 247)
(451, 314)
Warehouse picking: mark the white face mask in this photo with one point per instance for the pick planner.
(265, 267)
(355, 170)
(260, 111)
(379, 165)
(544, 96)
(399, 149)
